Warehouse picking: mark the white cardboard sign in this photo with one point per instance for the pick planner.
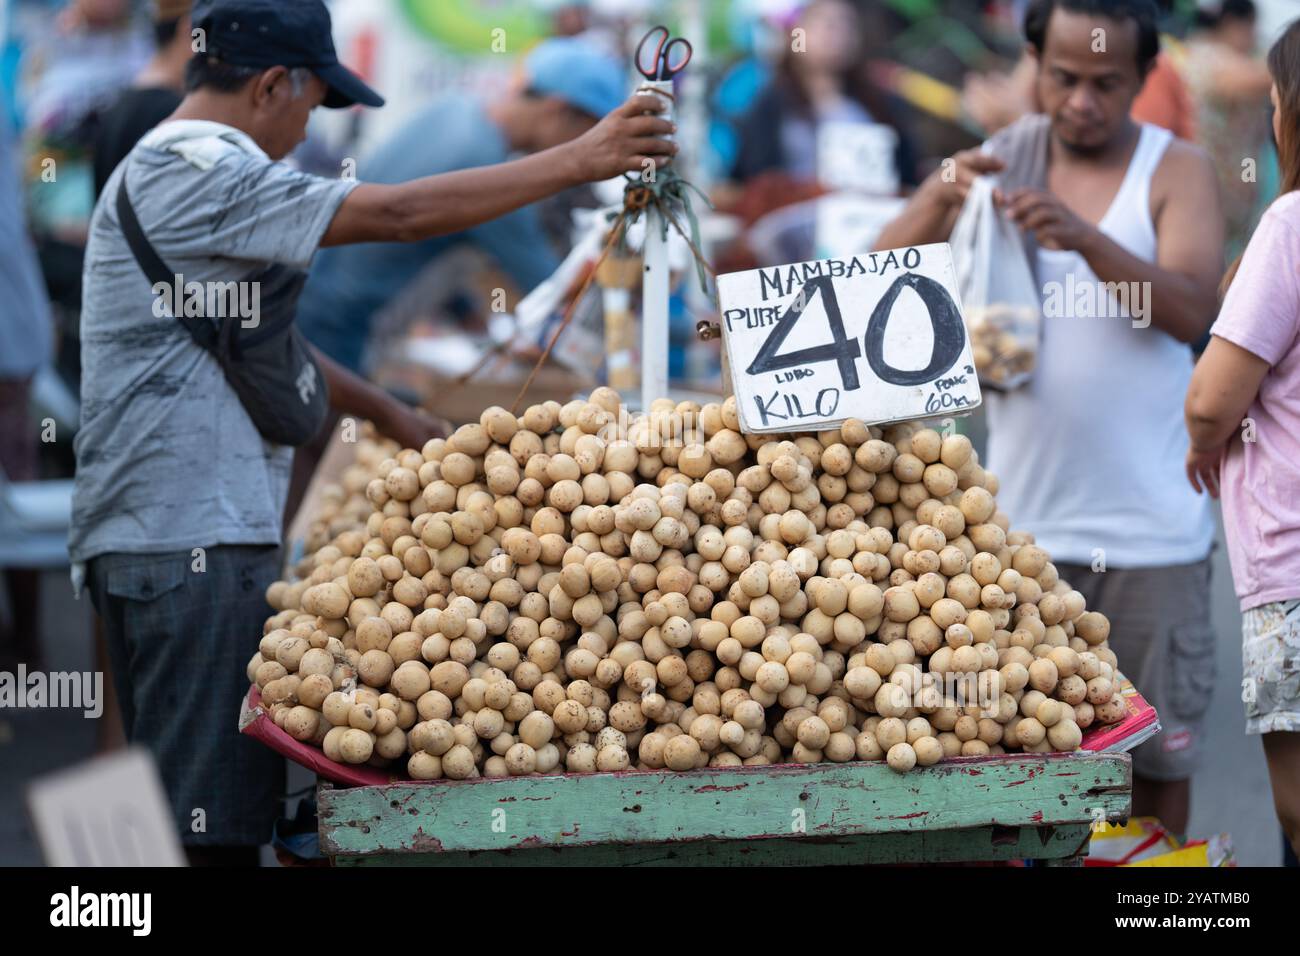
(878, 337)
(111, 811)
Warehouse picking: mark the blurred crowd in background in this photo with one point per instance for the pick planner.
(775, 89)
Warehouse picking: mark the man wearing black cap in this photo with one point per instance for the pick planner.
(180, 482)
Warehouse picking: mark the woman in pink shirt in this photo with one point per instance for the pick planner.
(1243, 414)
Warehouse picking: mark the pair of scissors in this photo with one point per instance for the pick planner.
(661, 65)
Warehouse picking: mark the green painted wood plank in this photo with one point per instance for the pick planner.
(820, 800)
(984, 844)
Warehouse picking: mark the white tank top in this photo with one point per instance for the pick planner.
(1090, 453)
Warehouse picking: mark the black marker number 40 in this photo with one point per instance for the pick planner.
(945, 322)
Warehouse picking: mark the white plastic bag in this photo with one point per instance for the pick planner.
(1004, 312)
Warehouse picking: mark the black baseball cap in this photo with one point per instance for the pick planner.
(289, 33)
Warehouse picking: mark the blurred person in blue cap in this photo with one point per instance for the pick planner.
(565, 87)
(189, 424)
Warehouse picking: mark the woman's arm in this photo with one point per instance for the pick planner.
(1225, 382)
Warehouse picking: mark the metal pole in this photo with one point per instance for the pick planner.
(694, 125)
(655, 285)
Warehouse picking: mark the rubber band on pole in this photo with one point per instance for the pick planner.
(646, 89)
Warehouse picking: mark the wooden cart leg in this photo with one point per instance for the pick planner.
(1075, 858)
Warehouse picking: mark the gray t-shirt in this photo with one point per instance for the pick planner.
(167, 458)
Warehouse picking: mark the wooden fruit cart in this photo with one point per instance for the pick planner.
(1038, 807)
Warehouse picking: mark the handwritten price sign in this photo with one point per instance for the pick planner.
(877, 336)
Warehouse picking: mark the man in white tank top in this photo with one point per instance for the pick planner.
(1124, 231)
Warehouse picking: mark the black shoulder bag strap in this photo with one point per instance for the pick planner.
(201, 330)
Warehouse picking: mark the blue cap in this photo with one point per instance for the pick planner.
(289, 33)
(577, 72)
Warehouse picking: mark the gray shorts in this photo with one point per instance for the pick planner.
(1270, 658)
(179, 641)
(1160, 630)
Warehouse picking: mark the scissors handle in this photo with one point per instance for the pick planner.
(660, 36)
(661, 66)
(668, 68)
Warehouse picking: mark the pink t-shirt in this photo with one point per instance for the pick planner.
(1260, 479)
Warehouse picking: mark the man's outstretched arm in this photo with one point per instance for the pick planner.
(627, 140)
